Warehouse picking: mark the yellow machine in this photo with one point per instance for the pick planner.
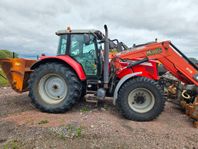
(17, 72)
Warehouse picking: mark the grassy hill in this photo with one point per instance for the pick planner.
(4, 54)
(3, 82)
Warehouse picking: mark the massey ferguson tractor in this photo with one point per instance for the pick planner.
(82, 66)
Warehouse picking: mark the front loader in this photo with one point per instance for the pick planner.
(82, 66)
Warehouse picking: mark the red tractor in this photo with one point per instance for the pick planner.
(82, 66)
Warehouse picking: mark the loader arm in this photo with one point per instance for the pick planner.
(172, 59)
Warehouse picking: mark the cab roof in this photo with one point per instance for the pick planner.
(62, 32)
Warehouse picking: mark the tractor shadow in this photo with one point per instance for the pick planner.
(14, 103)
(85, 105)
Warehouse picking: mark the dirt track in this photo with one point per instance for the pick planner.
(23, 126)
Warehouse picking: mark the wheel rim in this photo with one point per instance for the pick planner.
(52, 88)
(141, 100)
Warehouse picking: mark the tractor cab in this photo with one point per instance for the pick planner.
(87, 48)
(84, 46)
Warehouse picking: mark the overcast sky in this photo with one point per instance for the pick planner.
(28, 26)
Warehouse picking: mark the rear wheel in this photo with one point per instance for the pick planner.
(54, 88)
(141, 99)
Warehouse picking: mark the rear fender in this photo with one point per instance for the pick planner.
(121, 82)
(66, 60)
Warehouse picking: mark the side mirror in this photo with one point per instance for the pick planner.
(99, 35)
(87, 39)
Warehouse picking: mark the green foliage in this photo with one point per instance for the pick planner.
(43, 122)
(3, 81)
(106, 107)
(85, 109)
(13, 144)
(68, 131)
(6, 54)
(74, 131)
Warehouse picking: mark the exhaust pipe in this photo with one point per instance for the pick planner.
(106, 58)
(101, 92)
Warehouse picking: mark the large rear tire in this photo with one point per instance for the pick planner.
(140, 99)
(54, 88)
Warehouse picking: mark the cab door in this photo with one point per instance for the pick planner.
(87, 54)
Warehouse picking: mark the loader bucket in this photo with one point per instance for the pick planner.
(17, 71)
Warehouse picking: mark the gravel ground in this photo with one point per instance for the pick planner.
(86, 126)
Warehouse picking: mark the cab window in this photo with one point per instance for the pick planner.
(62, 45)
(84, 53)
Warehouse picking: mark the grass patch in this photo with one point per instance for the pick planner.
(74, 131)
(106, 107)
(68, 131)
(13, 144)
(85, 109)
(3, 81)
(43, 122)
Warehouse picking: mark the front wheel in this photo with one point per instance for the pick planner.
(140, 99)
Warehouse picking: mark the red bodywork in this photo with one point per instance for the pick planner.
(66, 60)
(164, 52)
(148, 69)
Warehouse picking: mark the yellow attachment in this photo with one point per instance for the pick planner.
(17, 71)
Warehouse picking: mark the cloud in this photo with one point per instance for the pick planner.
(28, 27)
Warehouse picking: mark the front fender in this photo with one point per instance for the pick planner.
(121, 82)
(66, 60)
